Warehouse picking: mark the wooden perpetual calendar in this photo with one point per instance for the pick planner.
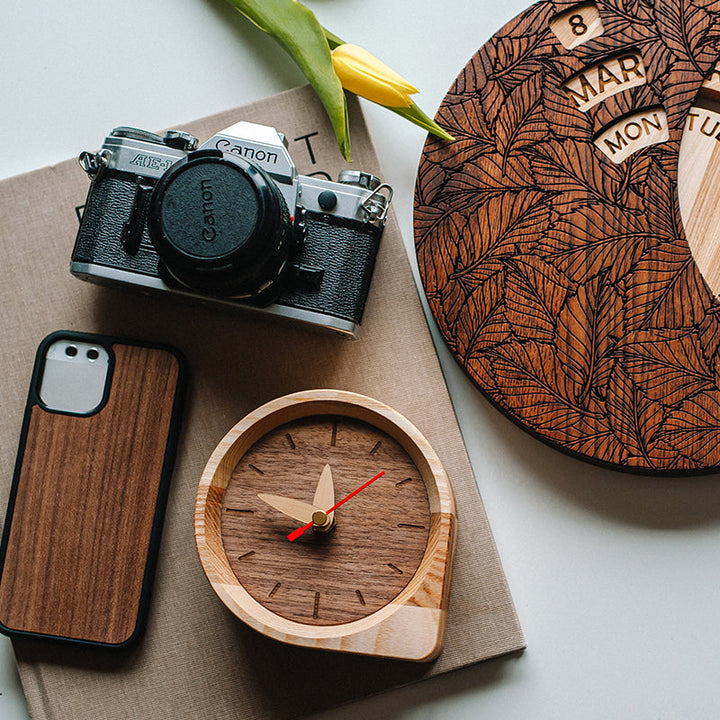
(569, 239)
(325, 519)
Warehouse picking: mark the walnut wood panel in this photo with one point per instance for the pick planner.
(85, 505)
(561, 279)
(394, 542)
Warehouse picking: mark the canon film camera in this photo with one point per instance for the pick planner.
(230, 222)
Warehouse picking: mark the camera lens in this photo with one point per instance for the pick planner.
(71, 351)
(92, 354)
(220, 225)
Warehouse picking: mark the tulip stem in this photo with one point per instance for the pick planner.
(415, 115)
(333, 40)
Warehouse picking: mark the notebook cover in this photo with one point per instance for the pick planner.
(196, 659)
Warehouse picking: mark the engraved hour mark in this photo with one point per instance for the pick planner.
(274, 590)
(376, 447)
(360, 597)
(257, 470)
(291, 442)
(246, 555)
(316, 606)
(402, 482)
(411, 525)
(239, 510)
(395, 568)
(333, 438)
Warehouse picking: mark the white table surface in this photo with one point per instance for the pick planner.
(615, 577)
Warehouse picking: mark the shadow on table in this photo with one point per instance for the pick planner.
(296, 682)
(653, 501)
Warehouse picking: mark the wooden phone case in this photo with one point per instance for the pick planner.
(84, 519)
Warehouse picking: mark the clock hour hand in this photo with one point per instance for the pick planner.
(325, 491)
(296, 509)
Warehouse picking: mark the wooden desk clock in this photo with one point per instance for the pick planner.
(325, 519)
(568, 278)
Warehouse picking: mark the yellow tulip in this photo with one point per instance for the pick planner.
(362, 73)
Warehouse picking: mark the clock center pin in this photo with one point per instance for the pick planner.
(321, 522)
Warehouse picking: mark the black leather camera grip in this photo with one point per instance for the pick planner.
(346, 250)
(109, 208)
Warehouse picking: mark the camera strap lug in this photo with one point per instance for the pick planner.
(94, 163)
(376, 204)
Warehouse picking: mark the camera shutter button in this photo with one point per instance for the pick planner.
(327, 200)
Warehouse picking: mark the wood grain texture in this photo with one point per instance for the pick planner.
(379, 537)
(85, 506)
(698, 188)
(562, 280)
(394, 542)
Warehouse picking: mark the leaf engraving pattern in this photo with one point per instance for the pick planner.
(561, 281)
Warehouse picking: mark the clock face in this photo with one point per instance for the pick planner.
(378, 538)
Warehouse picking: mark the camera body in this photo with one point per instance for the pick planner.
(231, 223)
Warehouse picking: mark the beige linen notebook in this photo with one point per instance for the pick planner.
(196, 659)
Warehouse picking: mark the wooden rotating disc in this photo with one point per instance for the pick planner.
(549, 235)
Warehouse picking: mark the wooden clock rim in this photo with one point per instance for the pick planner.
(241, 438)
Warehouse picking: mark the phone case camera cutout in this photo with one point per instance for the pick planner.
(74, 377)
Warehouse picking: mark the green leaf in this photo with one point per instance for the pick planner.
(297, 30)
(415, 115)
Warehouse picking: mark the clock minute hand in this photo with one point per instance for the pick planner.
(296, 509)
(325, 491)
(295, 534)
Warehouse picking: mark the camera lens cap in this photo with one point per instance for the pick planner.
(219, 224)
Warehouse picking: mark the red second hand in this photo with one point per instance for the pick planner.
(295, 534)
